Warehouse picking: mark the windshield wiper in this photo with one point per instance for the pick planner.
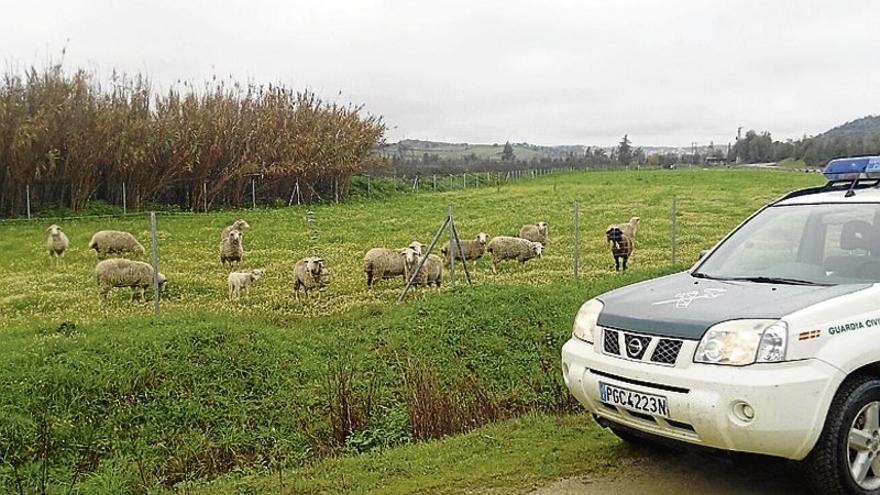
(775, 280)
(702, 275)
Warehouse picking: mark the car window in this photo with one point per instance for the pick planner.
(823, 244)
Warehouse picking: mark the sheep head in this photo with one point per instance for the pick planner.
(410, 255)
(162, 280)
(614, 234)
(634, 221)
(54, 230)
(240, 225)
(482, 237)
(235, 237)
(257, 273)
(537, 248)
(416, 246)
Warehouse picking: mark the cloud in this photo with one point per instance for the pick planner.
(550, 72)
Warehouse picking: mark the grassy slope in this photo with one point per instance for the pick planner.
(200, 393)
(710, 203)
(505, 457)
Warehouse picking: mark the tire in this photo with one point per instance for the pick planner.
(827, 467)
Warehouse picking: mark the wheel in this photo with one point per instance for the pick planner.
(846, 458)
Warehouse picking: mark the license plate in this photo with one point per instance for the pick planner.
(655, 405)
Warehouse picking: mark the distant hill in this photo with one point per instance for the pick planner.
(414, 149)
(865, 126)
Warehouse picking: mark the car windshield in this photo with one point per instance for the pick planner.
(826, 244)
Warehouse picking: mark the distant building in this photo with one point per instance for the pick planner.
(715, 161)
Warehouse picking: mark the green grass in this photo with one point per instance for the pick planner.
(792, 163)
(710, 203)
(506, 457)
(119, 402)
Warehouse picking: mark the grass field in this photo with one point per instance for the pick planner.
(105, 399)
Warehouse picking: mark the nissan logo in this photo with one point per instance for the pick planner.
(634, 347)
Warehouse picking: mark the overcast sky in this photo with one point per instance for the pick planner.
(550, 72)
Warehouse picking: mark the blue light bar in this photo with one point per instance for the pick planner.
(863, 167)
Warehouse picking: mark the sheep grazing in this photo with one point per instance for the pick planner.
(240, 281)
(108, 242)
(622, 238)
(57, 242)
(231, 250)
(239, 225)
(383, 263)
(308, 274)
(471, 249)
(535, 232)
(121, 272)
(513, 248)
(431, 272)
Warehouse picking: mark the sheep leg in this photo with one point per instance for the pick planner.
(625, 259)
(617, 263)
(494, 268)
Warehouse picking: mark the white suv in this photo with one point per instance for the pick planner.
(770, 344)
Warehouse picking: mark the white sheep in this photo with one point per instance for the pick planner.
(431, 272)
(231, 249)
(121, 272)
(241, 281)
(57, 242)
(513, 248)
(308, 274)
(535, 232)
(471, 249)
(239, 225)
(106, 242)
(383, 263)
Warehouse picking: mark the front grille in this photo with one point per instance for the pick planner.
(666, 351)
(636, 346)
(611, 342)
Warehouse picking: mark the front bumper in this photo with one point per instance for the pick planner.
(790, 400)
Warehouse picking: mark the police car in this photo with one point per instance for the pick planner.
(769, 344)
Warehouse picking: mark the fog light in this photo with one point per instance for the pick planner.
(743, 411)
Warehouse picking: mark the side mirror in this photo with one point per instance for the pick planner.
(703, 253)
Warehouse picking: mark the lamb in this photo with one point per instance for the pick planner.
(240, 281)
(57, 242)
(107, 242)
(121, 272)
(513, 248)
(471, 249)
(535, 232)
(431, 272)
(230, 248)
(622, 239)
(383, 263)
(310, 273)
(239, 225)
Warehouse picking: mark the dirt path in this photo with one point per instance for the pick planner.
(673, 473)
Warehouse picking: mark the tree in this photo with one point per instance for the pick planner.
(507, 154)
(624, 151)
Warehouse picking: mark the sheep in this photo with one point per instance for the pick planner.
(107, 242)
(535, 232)
(240, 281)
(622, 239)
(471, 249)
(416, 246)
(310, 273)
(383, 263)
(121, 272)
(230, 248)
(513, 248)
(239, 225)
(57, 242)
(431, 272)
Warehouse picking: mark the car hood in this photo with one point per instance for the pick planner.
(683, 306)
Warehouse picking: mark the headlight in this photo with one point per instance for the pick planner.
(585, 321)
(742, 342)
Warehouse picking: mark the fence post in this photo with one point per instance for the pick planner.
(27, 197)
(124, 200)
(674, 227)
(253, 193)
(205, 195)
(576, 225)
(464, 180)
(155, 244)
(369, 187)
(451, 248)
(434, 180)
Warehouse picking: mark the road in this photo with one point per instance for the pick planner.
(674, 473)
